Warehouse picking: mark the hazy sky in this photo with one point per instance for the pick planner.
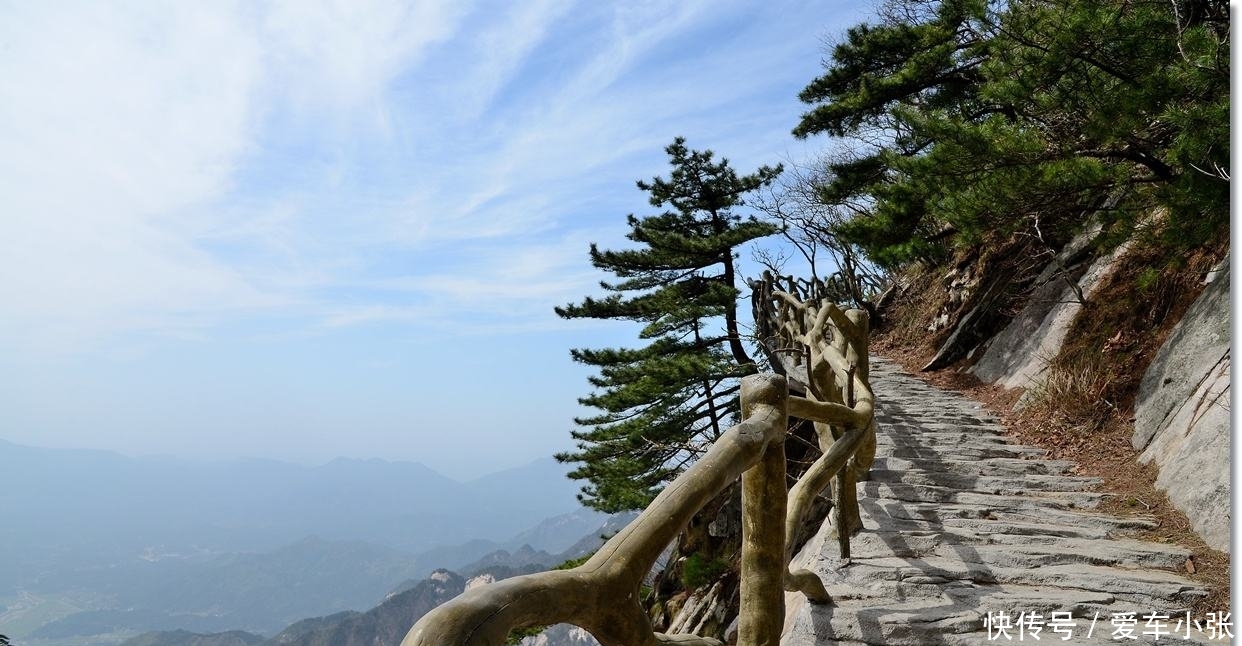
(302, 230)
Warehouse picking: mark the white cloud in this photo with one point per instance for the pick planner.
(124, 126)
(499, 49)
(164, 167)
(342, 54)
(529, 163)
(114, 120)
(498, 288)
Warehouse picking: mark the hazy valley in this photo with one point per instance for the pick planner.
(161, 544)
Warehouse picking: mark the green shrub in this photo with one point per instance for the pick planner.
(698, 571)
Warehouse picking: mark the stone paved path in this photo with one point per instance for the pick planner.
(960, 522)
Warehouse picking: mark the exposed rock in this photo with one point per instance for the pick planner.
(969, 329)
(1182, 413)
(482, 579)
(1018, 356)
(713, 535)
(707, 612)
(383, 625)
(560, 635)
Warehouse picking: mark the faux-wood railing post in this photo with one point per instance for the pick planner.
(859, 353)
(763, 544)
(837, 397)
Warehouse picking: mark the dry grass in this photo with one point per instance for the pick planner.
(918, 303)
(1084, 411)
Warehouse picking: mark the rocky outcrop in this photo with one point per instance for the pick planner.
(560, 635)
(1018, 355)
(1182, 412)
(385, 624)
(1182, 405)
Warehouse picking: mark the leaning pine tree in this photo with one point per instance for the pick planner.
(662, 403)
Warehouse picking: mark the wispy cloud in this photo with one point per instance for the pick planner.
(112, 119)
(303, 228)
(125, 126)
(337, 57)
(188, 163)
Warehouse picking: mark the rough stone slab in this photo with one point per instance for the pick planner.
(958, 515)
(1015, 485)
(1018, 356)
(926, 493)
(994, 467)
(919, 615)
(1015, 550)
(983, 530)
(1193, 349)
(1182, 413)
(968, 452)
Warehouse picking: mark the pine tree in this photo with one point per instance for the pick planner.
(661, 403)
(972, 117)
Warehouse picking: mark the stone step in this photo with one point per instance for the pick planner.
(994, 466)
(1152, 590)
(1008, 550)
(1016, 500)
(1001, 485)
(984, 530)
(965, 453)
(958, 515)
(947, 437)
(957, 615)
(959, 522)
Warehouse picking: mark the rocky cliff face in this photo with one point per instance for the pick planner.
(1018, 356)
(385, 624)
(1070, 316)
(1181, 418)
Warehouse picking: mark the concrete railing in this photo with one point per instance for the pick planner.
(602, 595)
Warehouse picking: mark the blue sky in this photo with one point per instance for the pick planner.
(303, 230)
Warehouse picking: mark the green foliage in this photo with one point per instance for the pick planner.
(697, 570)
(1147, 278)
(573, 563)
(518, 634)
(660, 402)
(970, 117)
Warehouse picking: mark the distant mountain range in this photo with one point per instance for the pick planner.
(57, 499)
(387, 623)
(93, 541)
(187, 638)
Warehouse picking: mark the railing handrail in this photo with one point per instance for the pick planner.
(602, 594)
